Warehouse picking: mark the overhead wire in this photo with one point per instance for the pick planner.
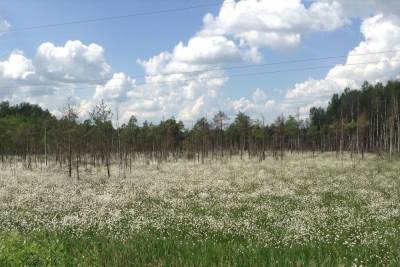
(97, 81)
(271, 72)
(200, 71)
(218, 77)
(99, 19)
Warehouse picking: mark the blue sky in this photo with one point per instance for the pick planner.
(127, 40)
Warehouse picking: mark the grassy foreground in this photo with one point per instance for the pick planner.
(302, 211)
(149, 249)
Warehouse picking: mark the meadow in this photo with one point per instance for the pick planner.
(304, 210)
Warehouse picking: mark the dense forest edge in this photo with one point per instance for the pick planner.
(366, 120)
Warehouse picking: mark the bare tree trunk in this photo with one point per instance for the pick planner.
(69, 157)
(77, 165)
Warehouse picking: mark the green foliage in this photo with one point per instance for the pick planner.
(35, 249)
(21, 124)
(312, 131)
(291, 126)
(257, 132)
(317, 117)
(369, 117)
(174, 249)
(351, 125)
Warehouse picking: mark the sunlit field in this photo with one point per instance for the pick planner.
(325, 210)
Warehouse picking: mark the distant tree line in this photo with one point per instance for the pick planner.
(356, 121)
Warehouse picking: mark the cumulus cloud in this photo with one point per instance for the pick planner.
(16, 73)
(179, 81)
(178, 84)
(72, 62)
(50, 77)
(200, 53)
(380, 34)
(16, 67)
(159, 96)
(115, 89)
(235, 35)
(207, 50)
(257, 105)
(274, 24)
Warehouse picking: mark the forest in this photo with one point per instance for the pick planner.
(358, 121)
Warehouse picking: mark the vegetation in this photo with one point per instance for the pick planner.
(357, 121)
(303, 210)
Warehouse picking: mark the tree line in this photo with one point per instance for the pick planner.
(355, 121)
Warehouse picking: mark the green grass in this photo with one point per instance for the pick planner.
(176, 249)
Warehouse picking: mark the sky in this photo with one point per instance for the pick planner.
(189, 59)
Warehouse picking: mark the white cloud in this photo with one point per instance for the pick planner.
(257, 105)
(381, 34)
(16, 72)
(274, 40)
(233, 36)
(115, 89)
(175, 83)
(271, 23)
(72, 62)
(17, 66)
(47, 79)
(162, 96)
(200, 53)
(207, 50)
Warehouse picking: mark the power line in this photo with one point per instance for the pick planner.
(233, 67)
(269, 72)
(188, 72)
(93, 20)
(231, 76)
(247, 66)
(138, 14)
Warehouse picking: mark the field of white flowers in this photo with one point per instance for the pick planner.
(340, 207)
